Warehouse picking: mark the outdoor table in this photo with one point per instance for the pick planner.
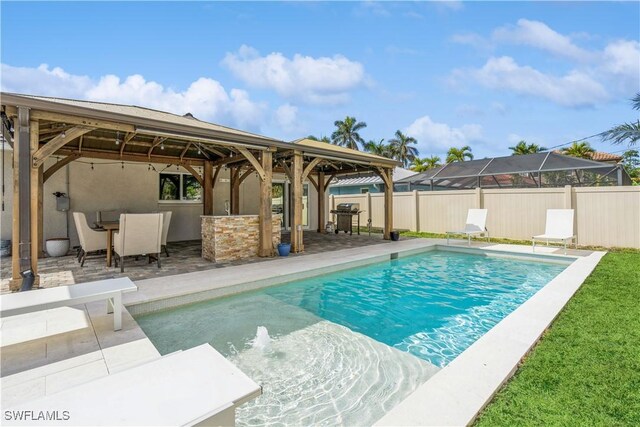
(110, 227)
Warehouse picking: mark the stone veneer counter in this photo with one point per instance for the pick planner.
(232, 237)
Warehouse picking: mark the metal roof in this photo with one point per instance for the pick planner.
(370, 179)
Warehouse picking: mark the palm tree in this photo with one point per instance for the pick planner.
(459, 154)
(346, 134)
(579, 149)
(378, 148)
(402, 151)
(424, 164)
(523, 148)
(323, 139)
(626, 132)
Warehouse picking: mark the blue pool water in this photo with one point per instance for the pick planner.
(345, 342)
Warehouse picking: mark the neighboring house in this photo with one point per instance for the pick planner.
(370, 183)
(601, 156)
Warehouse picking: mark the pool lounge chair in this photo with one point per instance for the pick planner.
(475, 225)
(558, 228)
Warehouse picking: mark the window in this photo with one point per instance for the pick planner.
(364, 190)
(179, 186)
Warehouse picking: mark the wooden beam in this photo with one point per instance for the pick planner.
(80, 143)
(16, 280)
(256, 165)
(215, 176)
(287, 170)
(326, 185)
(244, 176)
(36, 198)
(321, 204)
(132, 157)
(156, 141)
(229, 160)
(234, 193)
(297, 241)
(310, 167)
(207, 195)
(313, 182)
(58, 142)
(82, 121)
(185, 150)
(59, 165)
(388, 203)
(128, 138)
(193, 172)
(265, 248)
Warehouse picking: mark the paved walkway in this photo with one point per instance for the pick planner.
(185, 257)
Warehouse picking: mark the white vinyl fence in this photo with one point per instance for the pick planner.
(605, 216)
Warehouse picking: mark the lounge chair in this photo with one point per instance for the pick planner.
(139, 234)
(475, 225)
(90, 240)
(166, 220)
(558, 228)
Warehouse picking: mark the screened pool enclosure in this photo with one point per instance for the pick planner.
(524, 171)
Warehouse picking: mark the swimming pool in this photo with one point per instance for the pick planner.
(347, 347)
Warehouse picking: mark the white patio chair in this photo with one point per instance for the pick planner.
(166, 220)
(558, 228)
(90, 240)
(139, 234)
(475, 225)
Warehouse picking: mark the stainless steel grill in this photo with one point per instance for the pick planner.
(344, 213)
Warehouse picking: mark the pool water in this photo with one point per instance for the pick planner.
(346, 347)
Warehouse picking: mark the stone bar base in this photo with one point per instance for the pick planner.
(233, 237)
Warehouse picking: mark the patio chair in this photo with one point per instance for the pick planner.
(166, 220)
(90, 240)
(138, 234)
(558, 228)
(474, 226)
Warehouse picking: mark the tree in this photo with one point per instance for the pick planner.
(631, 161)
(378, 148)
(523, 148)
(459, 154)
(323, 139)
(579, 149)
(626, 132)
(402, 149)
(346, 134)
(424, 164)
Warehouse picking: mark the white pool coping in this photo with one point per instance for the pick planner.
(458, 392)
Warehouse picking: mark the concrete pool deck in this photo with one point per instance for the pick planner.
(33, 365)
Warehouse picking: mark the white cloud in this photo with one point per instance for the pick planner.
(541, 36)
(621, 59)
(286, 118)
(205, 98)
(473, 40)
(312, 80)
(434, 137)
(574, 89)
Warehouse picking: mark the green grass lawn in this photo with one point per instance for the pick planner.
(586, 368)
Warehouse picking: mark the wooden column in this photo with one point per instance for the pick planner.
(40, 212)
(207, 188)
(36, 198)
(265, 248)
(321, 204)
(297, 243)
(16, 280)
(234, 191)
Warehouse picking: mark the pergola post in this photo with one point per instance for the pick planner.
(387, 177)
(207, 197)
(297, 243)
(265, 248)
(37, 183)
(234, 193)
(321, 200)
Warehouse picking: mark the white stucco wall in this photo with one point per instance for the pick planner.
(133, 188)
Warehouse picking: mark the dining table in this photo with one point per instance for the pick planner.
(109, 227)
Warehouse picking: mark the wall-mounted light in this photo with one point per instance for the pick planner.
(91, 166)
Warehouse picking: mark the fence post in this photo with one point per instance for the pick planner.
(479, 198)
(416, 211)
(567, 196)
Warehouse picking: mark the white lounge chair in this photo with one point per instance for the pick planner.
(139, 234)
(90, 239)
(166, 220)
(558, 228)
(475, 225)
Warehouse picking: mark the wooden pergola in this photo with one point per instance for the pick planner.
(39, 127)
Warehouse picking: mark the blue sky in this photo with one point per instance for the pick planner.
(484, 74)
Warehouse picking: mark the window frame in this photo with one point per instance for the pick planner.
(180, 199)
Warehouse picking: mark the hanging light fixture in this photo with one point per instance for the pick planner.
(118, 138)
(162, 145)
(122, 165)
(63, 134)
(92, 166)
